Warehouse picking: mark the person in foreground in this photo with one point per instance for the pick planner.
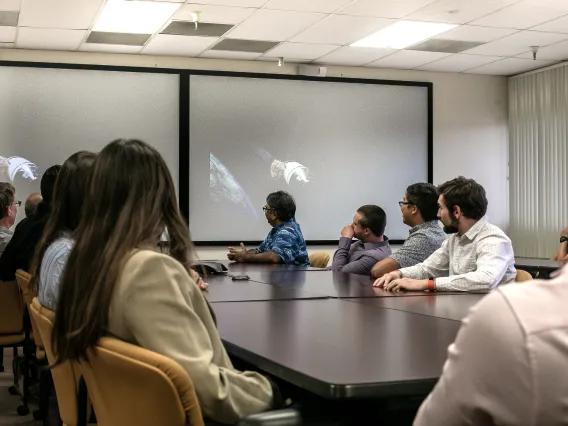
(359, 257)
(419, 209)
(56, 242)
(8, 212)
(30, 206)
(284, 243)
(507, 365)
(117, 283)
(477, 256)
(21, 248)
(562, 254)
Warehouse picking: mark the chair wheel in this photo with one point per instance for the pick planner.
(13, 390)
(23, 410)
(38, 415)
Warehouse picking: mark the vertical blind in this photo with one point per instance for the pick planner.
(538, 129)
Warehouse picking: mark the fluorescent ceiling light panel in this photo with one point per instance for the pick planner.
(403, 34)
(135, 17)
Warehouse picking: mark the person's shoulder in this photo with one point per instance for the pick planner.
(60, 247)
(490, 230)
(145, 256)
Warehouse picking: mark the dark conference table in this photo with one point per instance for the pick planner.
(333, 334)
(544, 267)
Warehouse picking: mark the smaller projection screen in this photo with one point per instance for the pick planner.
(333, 145)
(48, 114)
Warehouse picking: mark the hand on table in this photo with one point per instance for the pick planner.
(237, 255)
(198, 280)
(348, 231)
(386, 279)
(406, 284)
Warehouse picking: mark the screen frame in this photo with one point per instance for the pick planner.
(184, 119)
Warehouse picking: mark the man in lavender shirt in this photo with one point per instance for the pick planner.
(359, 257)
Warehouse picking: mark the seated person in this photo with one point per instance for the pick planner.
(21, 248)
(8, 212)
(359, 257)
(419, 209)
(56, 242)
(507, 365)
(477, 256)
(284, 243)
(116, 282)
(562, 254)
(30, 206)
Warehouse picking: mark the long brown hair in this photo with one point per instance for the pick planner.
(131, 200)
(68, 198)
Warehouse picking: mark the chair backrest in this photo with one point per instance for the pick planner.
(11, 309)
(132, 386)
(66, 375)
(319, 259)
(24, 281)
(523, 276)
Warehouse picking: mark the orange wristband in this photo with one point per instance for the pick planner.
(431, 285)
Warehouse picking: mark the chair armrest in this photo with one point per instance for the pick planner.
(286, 417)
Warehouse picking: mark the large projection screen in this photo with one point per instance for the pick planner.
(48, 114)
(333, 145)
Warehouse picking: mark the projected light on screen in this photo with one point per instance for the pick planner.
(12, 167)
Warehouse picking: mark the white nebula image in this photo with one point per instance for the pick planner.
(289, 170)
(11, 167)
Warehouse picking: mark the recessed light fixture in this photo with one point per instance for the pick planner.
(403, 34)
(138, 17)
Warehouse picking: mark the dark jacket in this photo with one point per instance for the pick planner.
(20, 251)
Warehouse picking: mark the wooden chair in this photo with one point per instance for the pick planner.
(319, 259)
(13, 334)
(71, 399)
(523, 276)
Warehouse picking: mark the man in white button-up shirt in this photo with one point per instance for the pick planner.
(477, 256)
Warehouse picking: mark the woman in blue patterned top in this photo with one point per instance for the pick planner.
(284, 243)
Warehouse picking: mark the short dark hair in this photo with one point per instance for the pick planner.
(283, 204)
(31, 203)
(48, 183)
(465, 193)
(7, 194)
(374, 218)
(425, 197)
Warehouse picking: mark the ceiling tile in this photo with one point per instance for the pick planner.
(354, 56)
(223, 54)
(384, 8)
(203, 30)
(240, 45)
(517, 43)
(458, 11)
(49, 39)
(559, 25)
(265, 58)
(459, 63)
(9, 18)
(237, 3)
(407, 59)
(475, 33)
(6, 45)
(509, 66)
(117, 38)
(109, 48)
(301, 50)
(341, 29)
(62, 14)
(10, 4)
(521, 15)
(557, 51)
(214, 14)
(324, 6)
(165, 44)
(7, 34)
(274, 25)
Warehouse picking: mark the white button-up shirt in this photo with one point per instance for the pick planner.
(478, 260)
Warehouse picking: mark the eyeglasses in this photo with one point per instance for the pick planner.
(17, 203)
(267, 209)
(404, 203)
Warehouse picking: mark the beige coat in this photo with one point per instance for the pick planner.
(157, 306)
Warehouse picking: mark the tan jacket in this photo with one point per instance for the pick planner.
(157, 306)
(508, 365)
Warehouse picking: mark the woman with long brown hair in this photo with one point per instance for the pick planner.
(56, 241)
(117, 282)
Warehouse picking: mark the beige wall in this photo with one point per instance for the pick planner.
(470, 113)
